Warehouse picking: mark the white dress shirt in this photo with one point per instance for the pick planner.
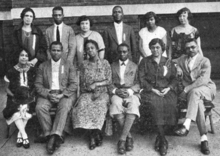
(55, 31)
(55, 66)
(119, 31)
(122, 69)
(191, 61)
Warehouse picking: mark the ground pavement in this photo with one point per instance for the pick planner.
(77, 144)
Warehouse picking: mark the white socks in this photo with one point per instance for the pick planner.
(204, 138)
(187, 123)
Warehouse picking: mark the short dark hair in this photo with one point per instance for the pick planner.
(123, 45)
(150, 14)
(58, 8)
(84, 18)
(159, 41)
(56, 43)
(191, 40)
(93, 42)
(25, 10)
(118, 6)
(185, 9)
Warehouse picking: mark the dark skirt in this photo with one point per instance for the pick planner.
(12, 108)
(162, 109)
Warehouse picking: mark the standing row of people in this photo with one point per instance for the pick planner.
(56, 79)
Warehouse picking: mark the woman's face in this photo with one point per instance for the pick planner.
(151, 22)
(85, 25)
(23, 58)
(91, 50)
(183, 18)
(28, 18)
(156, 50)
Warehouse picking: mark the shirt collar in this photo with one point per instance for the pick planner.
(60, 25)
(55, 63)
(125, 62)
(118, 24)
(193, 58)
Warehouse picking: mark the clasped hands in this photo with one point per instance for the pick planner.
(54, 97)
(123, 93)
(161, 93)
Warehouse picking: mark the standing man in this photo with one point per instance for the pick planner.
(196, 71)
(118, 33)
(124, 102)
(56, 84)
(62, 33)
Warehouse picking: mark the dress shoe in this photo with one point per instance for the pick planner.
(92, 143)
(26, 143)
(205, 147)
(157, 143)
(163, 146)
(98, 139)
(58, 141)
(129, 144)
(121, 147)
(182, 131)
(50, 145)
(19, 142)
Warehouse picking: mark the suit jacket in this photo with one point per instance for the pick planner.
(199, 75)
(111, 42)
(67, 40)
(67, 78)
(130, 77)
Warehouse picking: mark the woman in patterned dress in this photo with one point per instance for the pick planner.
(20, 80)
(183, 32)
(85, 24)
(157, 76)
(92, 105)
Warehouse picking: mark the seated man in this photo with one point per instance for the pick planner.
(124, 103)
(56, 84)
(196, 70)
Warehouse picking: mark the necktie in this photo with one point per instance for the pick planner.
(123, 64)
(189, 63)
(58, 34)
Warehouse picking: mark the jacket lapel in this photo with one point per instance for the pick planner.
(113, 33)
(49, 73)
(124, 32)
(197, 61)
(116, 67)
(52, 33)
(127, 69)
(61, 72)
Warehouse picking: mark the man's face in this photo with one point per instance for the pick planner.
(191, 48)
(117, 14)
(56, 52)
(123, 53)
(58, 16)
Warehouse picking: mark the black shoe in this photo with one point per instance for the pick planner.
(121, 147)
(205, 147)
(58, 141)
(26, 143)
(182, 131)
(129, 144)
(19, 142)
(157, 143)
(98, 139)
(50, 145)
(92, 143)
(163, 146)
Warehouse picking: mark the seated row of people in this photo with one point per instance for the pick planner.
(28, 36)
(116, 87)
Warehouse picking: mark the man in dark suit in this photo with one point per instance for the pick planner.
(195, 70)
(118, 33)
(56, 84)
(63, 33)
(125, 100)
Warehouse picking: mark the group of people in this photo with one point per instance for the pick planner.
(110, 80)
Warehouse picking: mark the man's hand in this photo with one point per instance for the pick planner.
(157, 92)
(32, 62)
(123, 93)
(165, 91)
(55, 98)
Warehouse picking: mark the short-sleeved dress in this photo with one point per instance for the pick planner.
(158, 76)
(18, 77)
(147, 36)
(179, 40)
(90, 113)
(80, 40)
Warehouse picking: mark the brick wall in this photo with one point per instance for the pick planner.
(48, 3)
(5, 5)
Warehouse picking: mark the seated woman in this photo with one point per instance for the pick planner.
(28, 36)
(20, 75)
(91, 108)
(86, 34)
(158, 81)
(183, 32)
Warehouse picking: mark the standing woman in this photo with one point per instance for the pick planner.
(20, 80)
(150, 32)
(27, 36)
(86, 34)
(157, 76)
(91, 108)
(183, 32)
